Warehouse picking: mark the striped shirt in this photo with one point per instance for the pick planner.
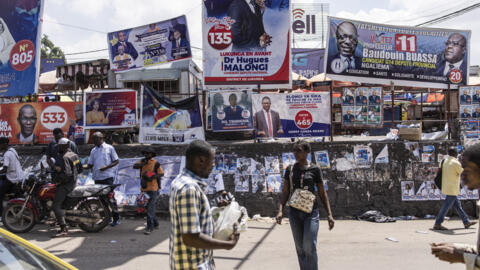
(189, 214)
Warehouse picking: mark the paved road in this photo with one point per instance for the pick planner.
(351, 245)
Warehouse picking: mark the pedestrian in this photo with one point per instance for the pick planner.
(11, 171)
(464, 253)
(191, 235)
(52, 151)
(103, 159)
(304, 175)
(150, 173)
(65, 180)
(451, 170)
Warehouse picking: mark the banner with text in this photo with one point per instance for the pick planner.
(308, 62)
(168, 122)
(32, 123)
(309, 23)
(246, 43)
(291, 115)
(20, 35)
(231, 110)
(110, 109)
(150, 44)
(409, 56)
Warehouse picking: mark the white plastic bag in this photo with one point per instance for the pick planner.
(226, 217)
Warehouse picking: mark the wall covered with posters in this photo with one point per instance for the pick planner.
(31, 123)
(359, 175)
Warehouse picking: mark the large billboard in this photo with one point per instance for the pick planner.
(164, 121)
(408, 56)
(150, 44)
(291, 115)
(110, 109)
(246, 43)
(20, 35)
(308, 62)
(32, 123)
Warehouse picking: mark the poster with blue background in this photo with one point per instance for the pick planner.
(231, 110)
(409, 56)
(308, 62)
(19, 46)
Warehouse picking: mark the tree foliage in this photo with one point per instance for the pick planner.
(49, 50)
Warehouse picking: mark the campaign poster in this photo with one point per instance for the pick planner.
(219, 164)
(362, 106)
(274, 183)
(434, 193)
(408, 191)
(428, 154)
(409, 56)
(231, 110)
(382, 157)
(272, 165)
(20, 36)
(150, 44)
(163, 121)
(242, 183)
(215, 183)
(321, 157)
(422, 192)
(469, 99)
(259, 183)
(291, 115)
(230, 163)
(246, 43)
(33, 123)
(308, 62)
(363, 156)
(110, 109)
(467, 194)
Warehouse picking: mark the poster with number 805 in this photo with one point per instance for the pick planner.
(19, 47)
(409, 56)
(246, 43)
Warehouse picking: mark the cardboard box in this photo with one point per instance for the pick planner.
(410, 134)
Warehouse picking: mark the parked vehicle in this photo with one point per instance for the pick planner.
(86, 206)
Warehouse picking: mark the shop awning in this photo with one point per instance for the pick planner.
(97, 67)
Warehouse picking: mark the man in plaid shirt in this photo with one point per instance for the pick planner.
(191, 241)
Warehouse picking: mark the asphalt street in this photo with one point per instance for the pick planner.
(351, 245)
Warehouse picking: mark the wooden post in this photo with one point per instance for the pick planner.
(332, 114)
(392, 88)
(448, 112)
(421, 107)
(204, 108)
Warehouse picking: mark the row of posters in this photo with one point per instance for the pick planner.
(469, 97)
(362, 106)
(428, 191)
(271, 115)
(409, 56)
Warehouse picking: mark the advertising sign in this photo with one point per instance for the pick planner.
(150, 44)
(167, 122)
(309, 22)
(20, 35)
(291, 115)
(308, 62)
(231, 110)
(409, 56)
(32, 123)
(362, 106)
(246, 43)
(110, 109)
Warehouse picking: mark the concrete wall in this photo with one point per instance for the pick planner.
(351, 192)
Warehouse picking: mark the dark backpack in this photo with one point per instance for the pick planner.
(438, 177)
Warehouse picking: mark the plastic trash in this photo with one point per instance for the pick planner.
(226, 217)
(113, 241)
(422, 232)
(429, 216)
(392, 239)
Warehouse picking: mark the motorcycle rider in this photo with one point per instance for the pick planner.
(52, 150)
(66, 178)
(10, 169)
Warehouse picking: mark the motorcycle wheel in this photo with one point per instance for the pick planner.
(95, 206)
(18, 225)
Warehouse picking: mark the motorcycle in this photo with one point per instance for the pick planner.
(86, 206)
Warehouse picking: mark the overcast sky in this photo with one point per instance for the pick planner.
(111, 15)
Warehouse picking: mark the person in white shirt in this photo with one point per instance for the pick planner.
(11, 171)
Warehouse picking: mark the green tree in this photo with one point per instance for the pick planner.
(49, 50)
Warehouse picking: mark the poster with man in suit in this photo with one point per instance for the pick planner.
(228, 114)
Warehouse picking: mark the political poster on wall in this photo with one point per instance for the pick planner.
(20, 35)
(363, 156)
(110, 109)
(362, 106)
(246, 43)
(291, 115)
(32, 123)
(231, 110)
(308, 62)
(408, 191)
(469, 110)
(167, 122)
(322, 160)
(409, 56)
(149, 45)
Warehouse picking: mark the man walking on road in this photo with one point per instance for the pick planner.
(103, 159)
(191, 241)
(451, 170)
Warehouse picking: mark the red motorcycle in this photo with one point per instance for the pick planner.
(86, 206)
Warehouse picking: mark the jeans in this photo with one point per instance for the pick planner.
(5, 187)
(305, 230)
(113, 202)
(152, 220)
(60, 196)
(447, 204)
